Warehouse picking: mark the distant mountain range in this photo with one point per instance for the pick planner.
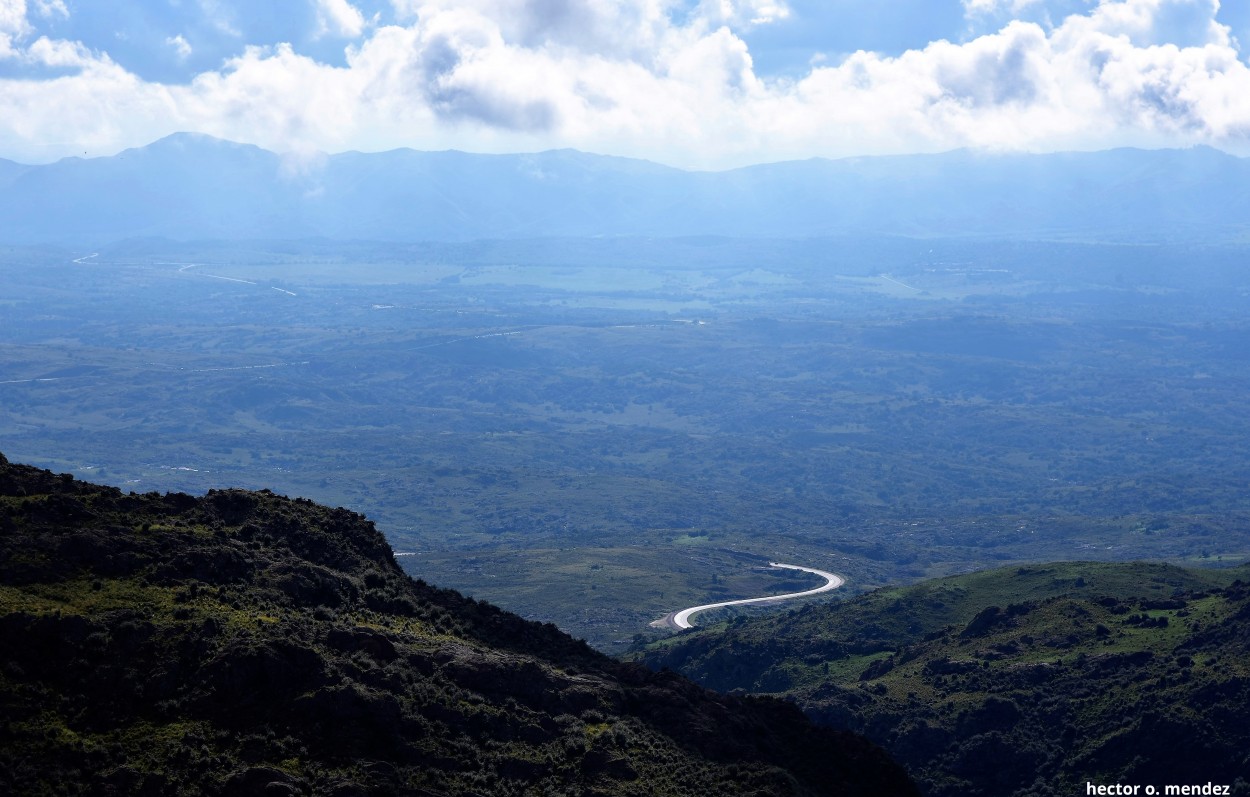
(195, 187)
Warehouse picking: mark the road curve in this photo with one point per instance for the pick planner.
(681, 619)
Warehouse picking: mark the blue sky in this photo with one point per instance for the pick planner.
(697, 83)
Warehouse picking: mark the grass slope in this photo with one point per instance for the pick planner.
(243, 643)
(1017, 681)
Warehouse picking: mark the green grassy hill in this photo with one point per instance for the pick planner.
(242, 643)
(1018, 681)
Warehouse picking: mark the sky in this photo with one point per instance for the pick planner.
(701, 84)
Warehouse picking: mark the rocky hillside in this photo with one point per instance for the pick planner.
(244, 643)
(1017, 682)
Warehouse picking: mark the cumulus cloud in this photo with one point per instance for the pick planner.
(628, 30)
(50, 8)
(13, 16)
(13, 25)
(1183, 23)
(340, 18)
(630, 77)
(60, 54)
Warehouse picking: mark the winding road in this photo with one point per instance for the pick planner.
(681, 619)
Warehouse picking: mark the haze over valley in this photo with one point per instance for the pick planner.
(599, 431)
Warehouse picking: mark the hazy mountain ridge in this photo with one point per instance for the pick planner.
(1019, 681)
(244, 643)
(194, 187)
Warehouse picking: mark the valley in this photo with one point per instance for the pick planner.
(594, 432)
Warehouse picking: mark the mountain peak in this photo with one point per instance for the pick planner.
(190, 140)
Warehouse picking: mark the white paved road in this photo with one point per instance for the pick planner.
(681, 619)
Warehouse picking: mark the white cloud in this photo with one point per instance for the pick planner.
(742, 12)
(182, 48)
(61, 54)
(222, 18)
(49, 8)
(405, 10)
(1185, 23)
(13, 16)
(340, 18)
(609, 28)
(13, 25)
(974, 8)
(625, 77)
